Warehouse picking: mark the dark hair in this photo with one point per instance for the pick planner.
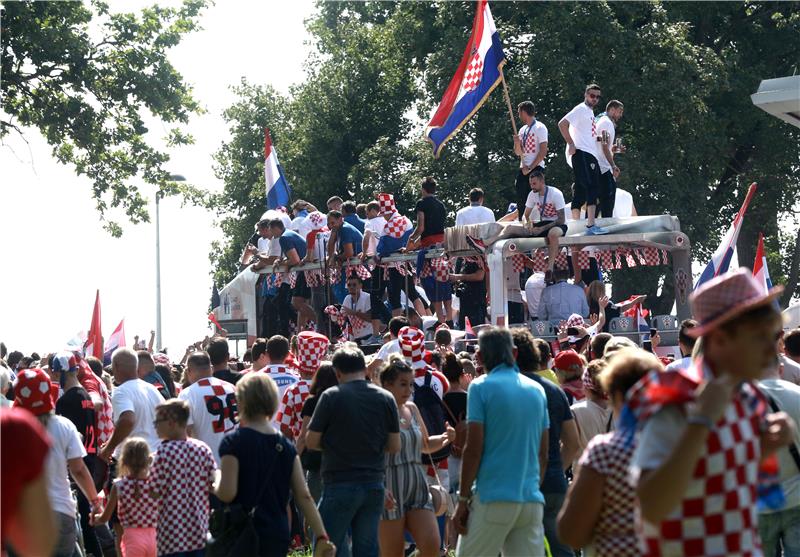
(264, 223)
(397, 323)
(324, 379)
(528, 356)
(14, 358)
(349, 208)
(373, 206)
(614, 104)
(683, 336)
(544, 350)
(333, 199)
(361, 210)
(218, 351)
(598, 344)
(349, 359)
(393, 369)
(791, 343)
(259, 347)
(277, 223)
(443, 337)
(560, 274)
(475, 195)
(429, 184)
(96, 365)
(354, 276)
(25, 362)
(277, 347)
(3, 350)
(527, 106)
(764, 312)
(592, 86)
(165, 373)
(146, 360)
(452, 367)
(300, 205)
(335, 214)
(199, 359)
(537, 172)
(247, 356)
(436, 359)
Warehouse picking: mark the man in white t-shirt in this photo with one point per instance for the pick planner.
(579, 131)
(300, 222)
(391, 347)
(623, 204)
(373, 231)
(356, 306)
(212, 403)
(607, 132)
(549, 204)
(134, 402)
(283, 375)
(530, 145)
(475, 213)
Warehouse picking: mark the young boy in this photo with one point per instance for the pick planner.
(707, 428)
(183, 473)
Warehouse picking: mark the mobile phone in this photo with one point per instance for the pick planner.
(648, 346)
(653, 332)
(572, 331)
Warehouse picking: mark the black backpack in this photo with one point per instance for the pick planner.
(433, 413)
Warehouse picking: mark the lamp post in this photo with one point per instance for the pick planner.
(159, 195)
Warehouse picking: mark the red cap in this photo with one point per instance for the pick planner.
(568, 360)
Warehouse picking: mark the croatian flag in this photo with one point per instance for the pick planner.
(760, 270)
(721, 258)
(94, 344)
(278, 191)
(639, 316)
(116, 340)
(476, 77)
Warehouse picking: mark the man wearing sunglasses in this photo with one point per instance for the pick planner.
(579, 131)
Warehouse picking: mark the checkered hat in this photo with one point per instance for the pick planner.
(161, 358)
(575, 320)
(412, 343)
(65, 361)
(317, 219)
(33, 392)
(311, 348)
(386, 201)
(724, 297)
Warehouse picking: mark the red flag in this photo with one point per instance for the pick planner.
(94, 344)
(213, 319)
(468, 326)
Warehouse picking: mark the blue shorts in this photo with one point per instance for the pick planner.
(437, 291)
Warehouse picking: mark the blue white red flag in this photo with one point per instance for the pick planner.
(116, 340)
(721, 258)
(639, 316)
(279, 194)
(476, 77)
(760, 270)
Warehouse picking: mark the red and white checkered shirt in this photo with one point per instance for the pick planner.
(105, 418)
(292, 405)
(137, 503)
(183, 473)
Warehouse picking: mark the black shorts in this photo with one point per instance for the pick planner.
(301, 289)
(523, 188)
(587, 179)
(563, 228)
(608, 194)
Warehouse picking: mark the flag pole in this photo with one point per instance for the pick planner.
(508, 102)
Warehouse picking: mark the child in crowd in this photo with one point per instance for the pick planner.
(135, 500)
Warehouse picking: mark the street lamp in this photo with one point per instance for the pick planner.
(159, 195)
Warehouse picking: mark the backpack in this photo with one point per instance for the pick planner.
(432, 410)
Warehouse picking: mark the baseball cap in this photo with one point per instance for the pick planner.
(568, 360)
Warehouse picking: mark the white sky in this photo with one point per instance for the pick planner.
(49, 228)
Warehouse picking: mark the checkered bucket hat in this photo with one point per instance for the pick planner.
(386, 201)
(311, 349)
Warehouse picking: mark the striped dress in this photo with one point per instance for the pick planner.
(405, 476)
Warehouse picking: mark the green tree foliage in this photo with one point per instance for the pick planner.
(685, 72)
(87, 95)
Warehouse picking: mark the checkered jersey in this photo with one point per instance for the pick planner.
(213, 412)
(182, 473)
(292, 405)
(614, 533)
(104, 420)
(137, 503)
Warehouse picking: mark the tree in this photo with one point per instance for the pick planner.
(86, 91)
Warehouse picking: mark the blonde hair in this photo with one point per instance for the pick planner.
(256, 395)
(626, 368)
(134, 457)
(596, 290)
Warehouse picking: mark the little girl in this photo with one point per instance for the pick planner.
(135, 500)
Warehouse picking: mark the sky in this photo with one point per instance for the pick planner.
(50, 228)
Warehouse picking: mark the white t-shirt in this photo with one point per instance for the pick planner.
(582, 128)
(547, 205)
(534, 287)
(787, 396)
(212, 410)
(531, 137)
(141, 398)
(283, 376)
(320, 250)
(605, 124)
(361, 327)
(66, 445)
(474, 214)
(376, 227)
(302, 226)
(391, 347)
(790, 371)
(263, 244)
(682, 364)
(623, 204)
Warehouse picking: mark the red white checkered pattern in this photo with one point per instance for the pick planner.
(402, 267)
(606, 258)
(539, 257)
(561, 260)
(530, 145)
(581, 258)
(575, 320)
(518, 263)
(664, 256)
(104, 420)
(292, 405)
(183, 473)
(137, 503)
(412, 343)
(386, 202)
(311, 348)
(441, 269)
(473, 73)
(723, 294)
(359, 270)
(314, 278)
(292, 279)
(397, 226)
(629, 259)
(614, 532)
(317, 219)
(650, 256)
(341, 320)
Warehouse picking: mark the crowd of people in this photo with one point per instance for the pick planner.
(508, 446)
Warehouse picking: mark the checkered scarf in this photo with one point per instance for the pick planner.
(412, 343)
